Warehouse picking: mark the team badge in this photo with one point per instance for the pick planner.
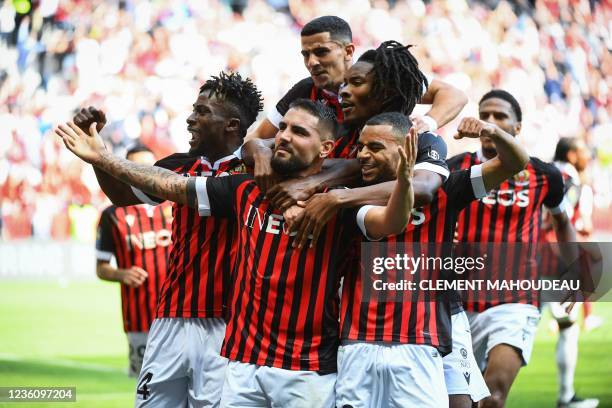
(464, 353)
(433, 154)
(521, 179)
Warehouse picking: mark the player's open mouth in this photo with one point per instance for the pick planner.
(347, 107)
(319, 74)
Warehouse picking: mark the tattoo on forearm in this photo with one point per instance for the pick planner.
(159, 182)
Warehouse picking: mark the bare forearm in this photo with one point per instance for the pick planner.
(256, 146)
(446, 102)
(151, 179)
(511, 154)
(391, 219)
(119, 193)
(107, 272)
(338, 172)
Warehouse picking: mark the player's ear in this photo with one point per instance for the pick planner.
(232, 125)
(326, 148)
(517, 128)
(349, 49)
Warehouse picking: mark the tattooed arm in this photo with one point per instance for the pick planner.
(156, 181)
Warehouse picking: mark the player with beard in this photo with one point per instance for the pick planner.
(503, 328)
(392, 347)
(282, 331)
(327, 49)
(385, 79)
(182, 363)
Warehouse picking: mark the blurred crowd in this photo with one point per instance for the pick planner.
(142, 62)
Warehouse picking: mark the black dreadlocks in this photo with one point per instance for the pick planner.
(398, 82)
(242, 96)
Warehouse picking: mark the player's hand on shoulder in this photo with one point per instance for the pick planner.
(134, 276)
(86, 116)
(474, 128)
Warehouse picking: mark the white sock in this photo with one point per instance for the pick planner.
(567, 356)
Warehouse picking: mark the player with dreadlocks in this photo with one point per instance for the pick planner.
(181, 364)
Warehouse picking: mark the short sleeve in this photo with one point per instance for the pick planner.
(465, 186)
(554, 197)
(216, 196)
(300, 90)
(432, 154)
(105, 246)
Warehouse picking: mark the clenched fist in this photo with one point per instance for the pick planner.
(475, 128)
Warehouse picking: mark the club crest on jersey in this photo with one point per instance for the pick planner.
(521, 179)
(433, 154)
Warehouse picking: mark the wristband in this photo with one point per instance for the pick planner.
(431, 122)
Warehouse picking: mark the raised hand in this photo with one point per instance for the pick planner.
(474, 128)
(88, 147)
(86, 116)
(405, 168)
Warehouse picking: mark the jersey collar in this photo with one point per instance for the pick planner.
(215, 165)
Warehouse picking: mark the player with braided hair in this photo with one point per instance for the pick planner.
(182, 365)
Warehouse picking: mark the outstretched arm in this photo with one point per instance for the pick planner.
(153, 180)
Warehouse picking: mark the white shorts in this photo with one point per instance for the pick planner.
(461, 373)
(557, 310)
(514, 324)
(182, 366)
(390, 375)
(250, 385)
(137, 341)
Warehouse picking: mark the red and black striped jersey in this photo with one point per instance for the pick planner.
(417, 317)
(512, 213)
(284, 302)
(203, 250)
(305, 89)
(137, 236)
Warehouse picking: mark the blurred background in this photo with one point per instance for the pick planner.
(142, 62)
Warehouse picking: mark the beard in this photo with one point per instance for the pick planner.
(287, 166)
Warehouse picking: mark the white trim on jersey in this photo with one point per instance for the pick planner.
(477, 181)
(361, 214)
(432, 167)
(202, 196)
(145, 199)
(274, 117)
(104, 255)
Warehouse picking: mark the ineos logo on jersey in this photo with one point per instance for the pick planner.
(507, 198)
(149, 239)
(270, 223)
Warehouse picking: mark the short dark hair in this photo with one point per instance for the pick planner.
(506, 96)
(328, 124)
(564, 146)
(337, 28)
(398, 122)
(137, 148)
(241, 96)
(398, 81)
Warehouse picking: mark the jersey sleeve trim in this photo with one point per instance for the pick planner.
(145, 199)
(477, 181)
(104, 255)
(275, 117)
(432, 167)
(361, 214)
(202, 196)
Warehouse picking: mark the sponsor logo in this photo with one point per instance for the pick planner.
(149, 239)
(464, 353)
(507, 198)
(433, 154)
(467, 377)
